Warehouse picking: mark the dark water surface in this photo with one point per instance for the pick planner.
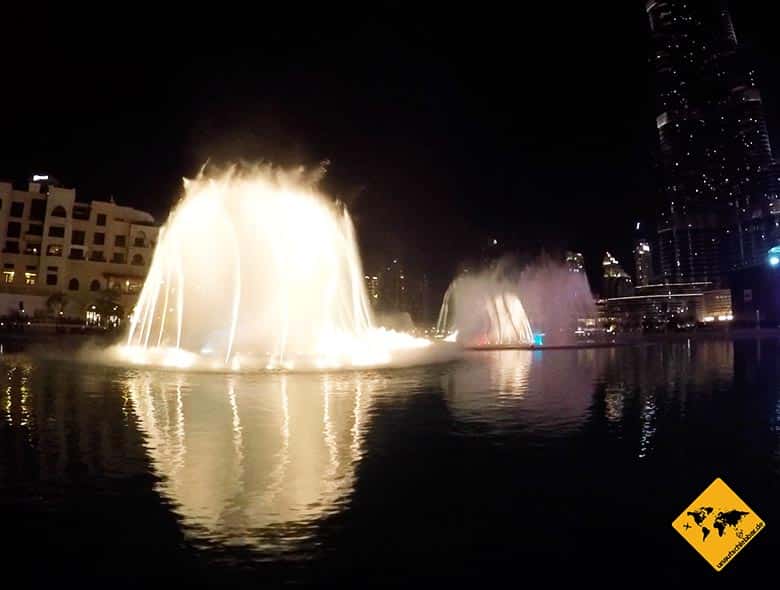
(507, 467)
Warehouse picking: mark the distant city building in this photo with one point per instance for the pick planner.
(394, 291)
(373, 288)
(643, 260)
(666, 306)
(716, 306)
(52, 244)
(719, 177)
(419, 299)
(575, 262)
(755, 293)
(616, 281)
(394, 295)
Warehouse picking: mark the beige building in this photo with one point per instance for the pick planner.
(715, 306)
(52, 244)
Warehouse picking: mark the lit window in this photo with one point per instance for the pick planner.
(54, 250)
(92, 317)
(30, 276)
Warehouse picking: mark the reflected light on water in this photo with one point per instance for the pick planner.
(16, 396)
(366, 471)
(613, 399)
(552, 391)
(647, 418)
(247, 460)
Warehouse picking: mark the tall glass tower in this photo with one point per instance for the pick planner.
(719, 177)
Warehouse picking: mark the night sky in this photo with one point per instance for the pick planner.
(444, 126)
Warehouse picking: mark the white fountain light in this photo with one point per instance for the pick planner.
(484, 310)
(258, 270)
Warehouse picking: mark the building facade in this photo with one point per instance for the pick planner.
(661, 307)
(53, 244)
(575, 262)
(755, 293)
(615, 281)
(720, 181)
(643, 261)
(394, 289)
(649, 312)
(373, 289)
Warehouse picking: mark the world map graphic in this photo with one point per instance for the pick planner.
(706, 519)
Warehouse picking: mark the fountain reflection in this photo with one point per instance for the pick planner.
(249, 460)
(16, 408)
(548, 391)
(637, 383)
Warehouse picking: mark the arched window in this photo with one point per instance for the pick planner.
(73, 284)
(140, 240)
(138, 260)
(94, 285)
(59, 211)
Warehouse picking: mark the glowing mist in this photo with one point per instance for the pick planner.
(258, 270)
(484, 310)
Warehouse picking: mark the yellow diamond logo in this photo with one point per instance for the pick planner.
(718, 524)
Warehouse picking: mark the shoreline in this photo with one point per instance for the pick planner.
(29, 340)
(644, 339)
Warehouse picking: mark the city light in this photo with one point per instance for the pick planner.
(773, 256)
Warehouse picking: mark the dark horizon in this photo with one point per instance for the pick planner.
(442, 130)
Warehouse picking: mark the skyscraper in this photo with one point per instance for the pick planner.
(719, 177)
(373, 289)
(616, 281)
(394, 295)
(575, 262)
(643, 262)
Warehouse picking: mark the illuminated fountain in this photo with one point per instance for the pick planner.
(259, 270)
(556, 300)
(484, 310)
(541, 304)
